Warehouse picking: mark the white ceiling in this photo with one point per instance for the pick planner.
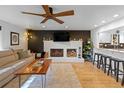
(86, 16)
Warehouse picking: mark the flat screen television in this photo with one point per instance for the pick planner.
(61, 36)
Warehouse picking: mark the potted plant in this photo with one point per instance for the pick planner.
(87, 50)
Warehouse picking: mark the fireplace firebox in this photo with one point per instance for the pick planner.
(71, 53)
(56, 52)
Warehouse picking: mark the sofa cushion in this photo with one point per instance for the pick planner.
(18, 50)
(5, 72)
(5, 53)
(6, 80)
(23, 54)
(8, 65)
(8, 59)
(23, 63)
(19, 64)
(29, 59)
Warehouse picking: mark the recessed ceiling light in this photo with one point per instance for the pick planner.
(43, 26)
(66, 27)
(103, 21)
(95, 25)
(116, 15)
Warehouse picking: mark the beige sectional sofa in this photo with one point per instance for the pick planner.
(10, 63)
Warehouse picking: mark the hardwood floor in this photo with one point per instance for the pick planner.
(88, 75)
(91, 77)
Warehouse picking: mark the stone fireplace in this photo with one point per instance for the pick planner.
(64, 51)
(56, 52)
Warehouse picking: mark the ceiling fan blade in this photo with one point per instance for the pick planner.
(44, 20)
(46, 9)
(57, 20)
(44, 15)
(65, 13)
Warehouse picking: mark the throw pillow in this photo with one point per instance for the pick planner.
(13, 52)
(20, 54)
(29, 53)
(23, 54)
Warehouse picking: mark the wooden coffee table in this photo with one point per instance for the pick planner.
(36, 68)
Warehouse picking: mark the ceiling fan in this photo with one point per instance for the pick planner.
(50, 15)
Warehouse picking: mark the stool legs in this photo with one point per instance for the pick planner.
(98, 62)
(117, 72)
(112, 68)
(113, 65)
(109, 68)
(104, 64)
(122, 82)
(94, 59)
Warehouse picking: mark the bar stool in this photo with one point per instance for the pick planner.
(96, 59)
(112, 66)
(120, 70)
(106, 62)
(100, 61)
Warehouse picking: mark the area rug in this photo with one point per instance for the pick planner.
(61, 75)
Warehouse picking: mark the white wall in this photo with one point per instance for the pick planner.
(122, 37)
(94, 38)
(7, 28)
(0, 40)
(104, 37)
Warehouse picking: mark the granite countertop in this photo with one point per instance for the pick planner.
(117, 53)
